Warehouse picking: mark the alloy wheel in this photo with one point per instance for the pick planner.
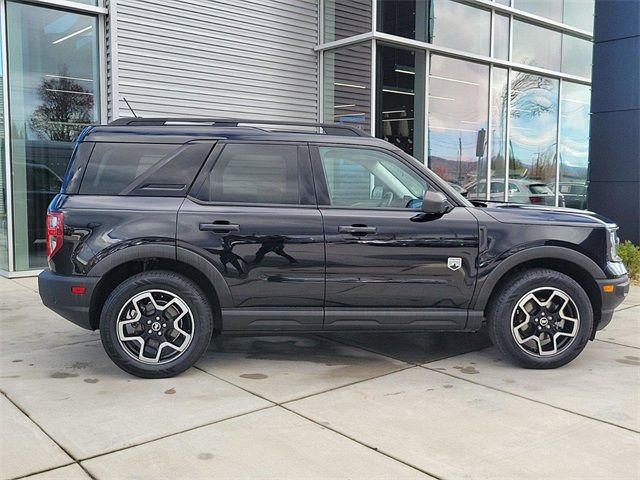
(545, 322)
(155, 326)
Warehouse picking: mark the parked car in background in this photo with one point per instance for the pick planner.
(461, 190)
(575, 194)
(521, 190)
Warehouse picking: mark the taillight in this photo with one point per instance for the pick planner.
(535, 200)
(55, 233)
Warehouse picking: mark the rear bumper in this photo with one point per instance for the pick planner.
(610, 300)
(55, 292)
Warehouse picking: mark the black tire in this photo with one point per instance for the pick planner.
(506, 299)
(176, 285)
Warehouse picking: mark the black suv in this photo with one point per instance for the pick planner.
(169, 231)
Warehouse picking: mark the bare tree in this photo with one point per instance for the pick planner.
(66, 109)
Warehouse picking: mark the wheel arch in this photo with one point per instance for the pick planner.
(564, 260)
(136, 259)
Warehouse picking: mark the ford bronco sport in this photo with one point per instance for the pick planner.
(169, 231)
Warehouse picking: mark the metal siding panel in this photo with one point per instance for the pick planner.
(225, 58)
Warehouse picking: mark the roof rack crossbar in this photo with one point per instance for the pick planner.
(329, 128)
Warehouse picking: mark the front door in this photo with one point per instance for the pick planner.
(254, 217)
(388, 265)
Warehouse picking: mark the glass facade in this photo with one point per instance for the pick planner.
(53, 85)
(494, 101)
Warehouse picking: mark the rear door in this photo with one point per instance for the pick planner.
(387, 264)
(253, 215)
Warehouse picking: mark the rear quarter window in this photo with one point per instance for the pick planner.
(143, 169)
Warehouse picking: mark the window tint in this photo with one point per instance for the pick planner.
(363, 178)
(254, 174)
(114, 166)
(540, 189)
(497, 187)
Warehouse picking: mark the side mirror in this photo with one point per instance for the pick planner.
(435, 203)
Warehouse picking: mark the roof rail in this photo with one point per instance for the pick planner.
(329, 128)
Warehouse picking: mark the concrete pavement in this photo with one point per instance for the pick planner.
(314, 406)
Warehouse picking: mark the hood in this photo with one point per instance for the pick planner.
(532, 214)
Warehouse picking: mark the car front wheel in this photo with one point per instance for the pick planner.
(540, 318)
(156, 324)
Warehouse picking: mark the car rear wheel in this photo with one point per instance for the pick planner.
(540, 318)
(156, 324)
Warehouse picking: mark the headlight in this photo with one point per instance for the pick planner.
(612, 244)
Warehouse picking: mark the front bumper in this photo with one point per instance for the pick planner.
(610, 300)
(55, 292)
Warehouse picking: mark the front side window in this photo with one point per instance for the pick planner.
(254, 173)
(364, 178)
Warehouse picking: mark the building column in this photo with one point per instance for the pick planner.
(614, 150)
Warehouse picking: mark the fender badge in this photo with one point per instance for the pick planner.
(454, 263)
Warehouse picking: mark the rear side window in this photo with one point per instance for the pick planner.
(540, 189)
(143, 169)
(254, 173)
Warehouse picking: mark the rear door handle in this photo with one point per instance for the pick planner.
(220, 226)
(357, 229)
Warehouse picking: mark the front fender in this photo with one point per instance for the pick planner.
(489, 276)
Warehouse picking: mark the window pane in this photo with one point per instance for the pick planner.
(501, 36)
(458, 105)
(345, 18)
(536, 46)
(574, 143)
(347, 86)
(499, 104)
(579, 13)
(532, 136)
(576, 56)
(254, 174)
(551, 9)
(405, 18)
(114, 166)
(54, 93)
(401, 94)
(362, 178)
(460, 26)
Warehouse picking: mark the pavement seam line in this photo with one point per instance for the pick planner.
(407, 367)
(359, 442)
(625, 307)
(530, 399)
(616, 343)
(75, 460)
(24, 286)
(282, 405)
(186, 430)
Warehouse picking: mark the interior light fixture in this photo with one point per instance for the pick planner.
(71, 35)
(350, 85)
(68, 78)
(449, 99)
(453, 129)
(401, 92)
(348, 105)
(408, 72)
(68, 91)
(453, 80)
(393, 111)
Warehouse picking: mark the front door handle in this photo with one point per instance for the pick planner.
(220, 226)
(357, 229)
